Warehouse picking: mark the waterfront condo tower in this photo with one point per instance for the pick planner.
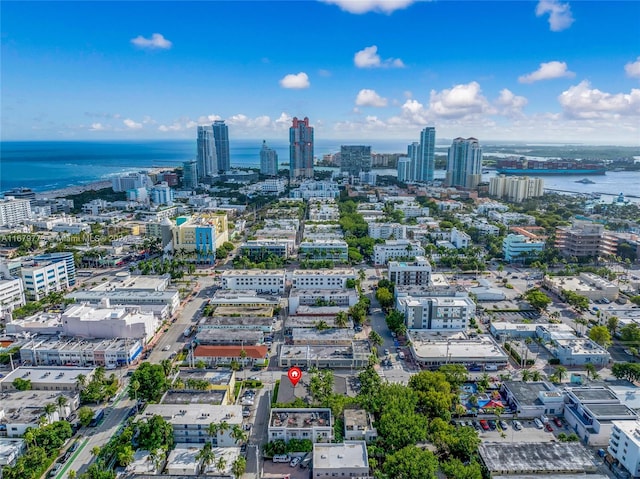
(268, 160)
(413, 151)
(426, 154)
(355, 159)
(464, 163)
(221, 135)
(206, 158)
(300, 149)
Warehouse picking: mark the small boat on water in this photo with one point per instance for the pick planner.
(586, 181)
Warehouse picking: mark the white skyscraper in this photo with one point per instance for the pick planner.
(207, 158)
(464, 164)
(404, 169)
(268, 160)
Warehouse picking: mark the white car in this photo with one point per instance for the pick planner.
(538, 423)
(295, 461)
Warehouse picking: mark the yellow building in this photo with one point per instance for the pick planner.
(201, 234)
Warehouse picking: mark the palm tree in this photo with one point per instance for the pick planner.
(238, 467)
(536, 376)
(166, 367)
(81, 381)
(243, 357)
(206, 455)
(49, 409)
(591, 371)
(135, 387)
(224, 426)
(237, 434)
(157, 457)
(342, 319)
(212, 429)
(62, 402)
(560, 372)
(30, 437)
(221, 464)
(526, 375)
(72, 474)
(99, 374)
(95, 451)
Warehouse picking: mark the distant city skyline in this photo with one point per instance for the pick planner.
(531, 71)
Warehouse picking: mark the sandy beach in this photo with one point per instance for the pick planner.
(94, 185)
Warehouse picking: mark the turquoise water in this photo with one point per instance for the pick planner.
(51, 165)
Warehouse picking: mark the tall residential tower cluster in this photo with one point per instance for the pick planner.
(213, 151)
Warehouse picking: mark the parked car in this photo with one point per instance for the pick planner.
(503, 424)
(386, 352)
(558, 421)
(548, 427)
(484, 424)
(516, 425)
(538, 423)
(295, 461)
(476, 425)
(492, 424)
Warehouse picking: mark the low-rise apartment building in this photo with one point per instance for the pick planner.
(519, 247)
(349, 459)
(322, 279)
(11, 295)
(624, 445)
(387, 231)
(334, 250)
(358, 426)
(261, 281)
(397, 249)
(437, 312)
(314, 424)
(410, 273)
(321, 297)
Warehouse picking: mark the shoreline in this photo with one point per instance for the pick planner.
(91, 186)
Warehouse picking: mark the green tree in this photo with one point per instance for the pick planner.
(152, 380)
(22, 384)
(239, 467)
(154, 433)
(560, 373)
(342, 319)
(612, 325)
(395, 321)
(411, 462)
(601, 335)
(455, 374)
(125, 455)
(630, 334)
(592, 373)
(384, 297)
(85, 415)
(456, 469)
(375, 338)
(537, 299)
(206, 455)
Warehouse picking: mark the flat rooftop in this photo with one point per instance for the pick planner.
(315, 335)
(37, 375)
(355, 418)
(300, 418)
(433, 347)
(212, 396)
(608, 410)
(135, 282)
(322, 292)
(244, 310)
(325, 351)
(196, 414)
(25, 407)
(218, 336)
(184, 457)
(230, 321)
(350, 272)
(305, 310)
(217, 378)
(10, 447)
(351, 454)
(536, 457)
(311, 321)
(587, 395)
(232, 273)
(527, 393)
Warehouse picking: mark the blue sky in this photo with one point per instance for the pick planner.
(541, 71)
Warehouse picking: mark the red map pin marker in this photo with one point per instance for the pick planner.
(295, 374)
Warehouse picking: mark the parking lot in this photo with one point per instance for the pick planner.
(279, 470)
(528, 433)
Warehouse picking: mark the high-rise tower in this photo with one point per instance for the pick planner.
(355, 159)
(427, 154)
(221, 135)
(300, 149)
(268, 160)
(464, 164)
(206, 158)
(413, 152)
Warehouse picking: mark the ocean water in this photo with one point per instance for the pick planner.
(49, 165)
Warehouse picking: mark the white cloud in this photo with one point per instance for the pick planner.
(132, 125)
(511, 105)
(97, 127)
(547, 71)
(560, 17)
(461, 101)
(633, 68)
(157, 41)
(206, 119)
(368, 97)
(583, 102)
(324, 73)
(369, 58)
(364, 6)
(299, 81)
(284, 120)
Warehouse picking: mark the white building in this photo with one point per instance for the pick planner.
(321, 297)
(417, 273)
(382, 253)
(273, 186)
(323, 210)
(333, 250)
(46, 379)
(508, 219)
(261, 281)
(387, 230)
(404, 169)
(516, 188)
(437, 312)
(190, 422)
(349, 459)
(20, 410)
(574, 351)
(624, 445)
(358, 426)
(162, 194)
(10, 451)
(104, 322)
(183, 461)
(11, 295)
(315, 424)
(519, 247)
(321, 278)
(316, 189)
(130, 181)
(460, 239)
(43, 277)
(590, 412)
(14, 212)
(589, 285)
